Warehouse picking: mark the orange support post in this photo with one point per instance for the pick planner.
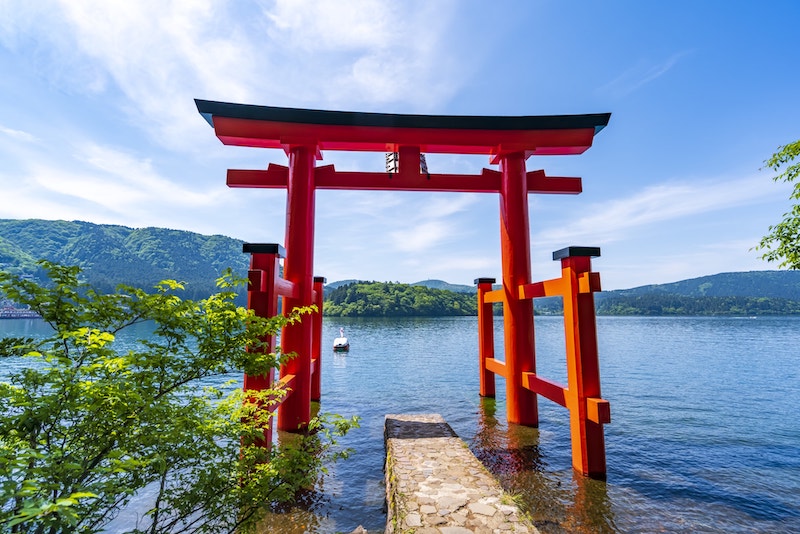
(521, 403)
(485, 337)
(263, 300)
(295, 412)
(587, 410)
(316, 342)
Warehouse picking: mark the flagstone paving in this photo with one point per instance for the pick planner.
(435, 485)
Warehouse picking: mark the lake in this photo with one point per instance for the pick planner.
(704, 434)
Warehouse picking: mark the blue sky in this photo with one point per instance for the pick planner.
(97, 123)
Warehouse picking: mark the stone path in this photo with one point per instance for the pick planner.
(435, 485)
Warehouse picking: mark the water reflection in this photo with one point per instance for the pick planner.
(558, 502)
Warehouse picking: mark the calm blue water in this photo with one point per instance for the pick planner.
(704, 434)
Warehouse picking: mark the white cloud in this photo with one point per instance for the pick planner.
(139, 178)
(616, 219)
(625, 272)
(18, 135)
(421, 236)
(427, 221)
(447, 204)
(159, 56)
(640, 75)
(106, 185)
(321, 25)
(368, 51)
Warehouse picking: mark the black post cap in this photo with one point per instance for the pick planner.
(264, 248)
(320, 279)
(484, 281)
(593, 252)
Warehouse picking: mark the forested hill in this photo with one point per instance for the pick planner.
(387, 299)
(110, 255)
(746, 293)
(769, 284)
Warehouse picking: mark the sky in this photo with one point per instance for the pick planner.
(98, 123)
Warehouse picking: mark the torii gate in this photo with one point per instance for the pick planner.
(508, 141)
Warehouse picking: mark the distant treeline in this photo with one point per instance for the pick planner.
(681, 305)
(661, 304)
(110, 255)
(382, 299)
(387, 299)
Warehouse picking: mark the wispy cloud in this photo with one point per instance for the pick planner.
(367, 51)
(155, 57)
(428, 224)
(616, 219)
(106, 185)
(18, 135)
(640, 75)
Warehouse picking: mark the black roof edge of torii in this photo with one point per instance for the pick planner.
(209, 108)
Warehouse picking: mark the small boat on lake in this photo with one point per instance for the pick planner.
(340, 344)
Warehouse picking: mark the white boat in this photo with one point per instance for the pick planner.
(340, 344)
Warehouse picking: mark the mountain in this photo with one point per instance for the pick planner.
(110, 255)
(770, 284)
(441, 284)
(340, 283)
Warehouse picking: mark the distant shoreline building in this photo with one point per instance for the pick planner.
(9, 310)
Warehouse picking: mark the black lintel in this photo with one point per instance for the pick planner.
(264, 248)
(593, 252)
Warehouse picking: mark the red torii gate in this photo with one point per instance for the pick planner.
(303, 134)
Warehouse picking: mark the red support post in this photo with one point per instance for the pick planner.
(316, 342)
(263, 300)
(295, 412)
(587, 410)
(485, 337)
(521, 404)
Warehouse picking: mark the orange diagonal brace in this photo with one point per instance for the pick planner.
(498, 295)
(548, 288)
(598, 410)
(285, 383)
(589, 283)
(285, 288)
(496, 366)
(546, 388)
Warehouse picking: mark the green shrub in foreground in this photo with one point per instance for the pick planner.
(87, 426)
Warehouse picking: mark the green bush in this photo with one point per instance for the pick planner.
(88, 426)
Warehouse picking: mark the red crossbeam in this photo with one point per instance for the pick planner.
(327, 177)
(267, 134)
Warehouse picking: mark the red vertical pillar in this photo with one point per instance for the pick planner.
(587, 411)
(316, 342)
(295, 412)
(517, 314)
(485, 336)
(263, 300)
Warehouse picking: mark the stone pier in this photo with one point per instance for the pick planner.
(434, 484)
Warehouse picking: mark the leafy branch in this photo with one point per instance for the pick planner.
(87, 425)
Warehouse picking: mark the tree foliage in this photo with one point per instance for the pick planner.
(666, 305)
(87, 425)
(387, 299)
(783, 241)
